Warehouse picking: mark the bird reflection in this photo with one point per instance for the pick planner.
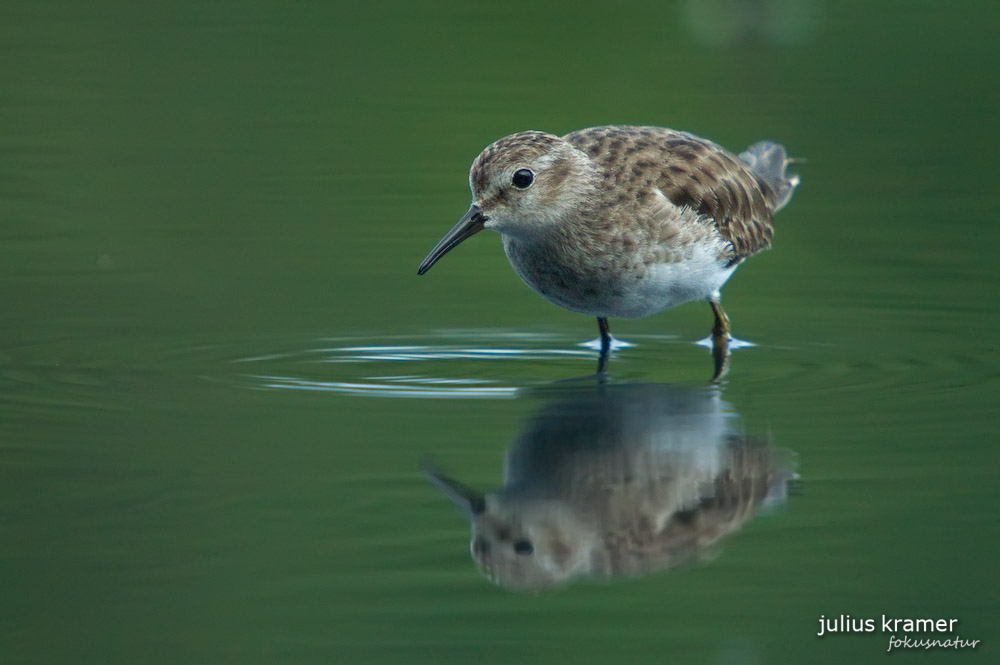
(619, 481)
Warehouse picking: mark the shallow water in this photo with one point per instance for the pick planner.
(219, 372)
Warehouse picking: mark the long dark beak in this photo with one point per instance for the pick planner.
(468, 226)
(468, 500)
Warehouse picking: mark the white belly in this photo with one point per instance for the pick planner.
(667, 285)
(627, 293)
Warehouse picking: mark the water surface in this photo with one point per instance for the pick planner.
(219, 371)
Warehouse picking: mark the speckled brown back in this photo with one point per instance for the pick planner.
(690, 171)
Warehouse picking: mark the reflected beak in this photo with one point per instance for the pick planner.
(468, 226)
(469, 501)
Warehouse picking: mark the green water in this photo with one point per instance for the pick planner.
(219, 371)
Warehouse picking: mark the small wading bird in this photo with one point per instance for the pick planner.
(625, 221)
(625, 481)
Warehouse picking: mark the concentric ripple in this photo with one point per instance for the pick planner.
(438, 368)
(458, 364)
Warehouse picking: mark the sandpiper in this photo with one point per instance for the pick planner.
(625, 221)
(622, 481)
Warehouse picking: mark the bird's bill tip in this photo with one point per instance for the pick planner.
(468, 500)
(469, 225)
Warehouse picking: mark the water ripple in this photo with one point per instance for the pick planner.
(302, 369)
(419, 388)
(453, 364)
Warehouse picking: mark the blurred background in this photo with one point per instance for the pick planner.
(218, 368)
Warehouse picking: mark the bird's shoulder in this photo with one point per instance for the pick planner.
(641, 163)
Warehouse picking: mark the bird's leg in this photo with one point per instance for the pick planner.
(720, 340)
(602, 361)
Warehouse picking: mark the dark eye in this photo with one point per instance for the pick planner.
(523, 547)
(523, 178)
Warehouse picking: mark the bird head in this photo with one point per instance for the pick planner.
(521, 185)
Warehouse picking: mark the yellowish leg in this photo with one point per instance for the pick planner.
(720, 341)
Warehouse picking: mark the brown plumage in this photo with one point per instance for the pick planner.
(625, 221)
(630, 481)
(691, 172)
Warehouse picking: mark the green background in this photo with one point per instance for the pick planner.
(203, 205)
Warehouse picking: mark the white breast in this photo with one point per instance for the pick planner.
(627, 287)
(670, 284)
(631, 295)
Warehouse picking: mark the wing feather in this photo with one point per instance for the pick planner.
(691, 172)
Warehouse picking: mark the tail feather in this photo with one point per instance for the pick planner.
(768, 161)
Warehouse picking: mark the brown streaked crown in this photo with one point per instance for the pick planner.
(516, 148)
